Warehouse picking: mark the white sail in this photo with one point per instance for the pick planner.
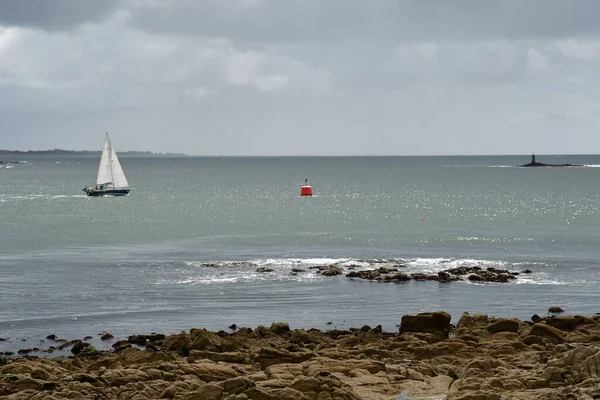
(110, 171)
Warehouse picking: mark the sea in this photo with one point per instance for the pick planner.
(186, 247)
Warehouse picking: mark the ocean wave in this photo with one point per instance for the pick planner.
(225, 272)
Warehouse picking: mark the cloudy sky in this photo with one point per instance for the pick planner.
(297, 77)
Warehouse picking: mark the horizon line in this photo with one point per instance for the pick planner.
(7, 152)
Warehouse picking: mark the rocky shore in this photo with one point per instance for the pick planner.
(481, 358)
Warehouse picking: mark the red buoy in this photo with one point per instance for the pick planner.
(306, 190)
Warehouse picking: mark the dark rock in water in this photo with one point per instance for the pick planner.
(264, 269)
(107, 336)
(87, 338)
(476, 278)
(377, 329)
(297, 270)
(536, 318)
(329, 323)
(121, 345)
(527, 271)
(555, 310)
(433, 322)
(446, 277)
(399, 277)
(78, 347)
(152, 346)
(24, 351)
(463, 270)
(51, 337)
(365, 328)
(387, 270)
(367, 274)
(153, 337)
(140, 340)
(424, 277)
(69, 343)
(233, 326)
(90, 351)
(332, 270)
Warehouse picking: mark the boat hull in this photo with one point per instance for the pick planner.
(107, 192)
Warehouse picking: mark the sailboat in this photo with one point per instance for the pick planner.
(111, 179)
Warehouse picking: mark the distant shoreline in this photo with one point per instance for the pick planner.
(61, 152)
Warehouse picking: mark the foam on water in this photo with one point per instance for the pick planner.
(216, 272)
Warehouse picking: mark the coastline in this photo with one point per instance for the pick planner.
(480, 357)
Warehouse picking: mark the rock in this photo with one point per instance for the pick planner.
(212, 372)
(399, 277)
(90, 351)
(386, 270)
(554, 335)
(332, 270)
(121, 345)
(205, 392)
(228, 357)
(180, 343)
(504, 325)
(107, 336)
(555, 310)
(447, 277)
(441, 383)
(236, 385)
(424, 277)
(140, 340)
(482, 358)
(365, 274)
(476, 278)
(468, 321)
(233, 326)
(78, 347)
(435, 322)
(279, 328)
(155, 337)
(568, 323)
(264, 269)
(51, 337)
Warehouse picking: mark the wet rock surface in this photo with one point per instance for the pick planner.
(473, 274)
(482, 357)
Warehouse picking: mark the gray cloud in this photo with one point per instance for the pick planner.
(393, 20)
(265, 77)
(54, 14)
